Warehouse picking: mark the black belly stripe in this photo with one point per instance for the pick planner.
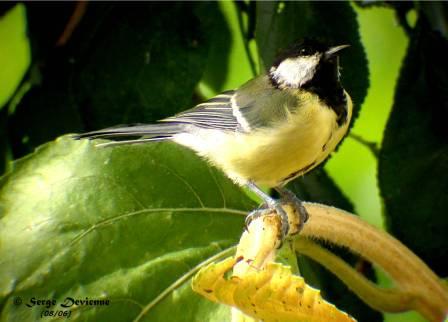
(298, 172)
(328, 140)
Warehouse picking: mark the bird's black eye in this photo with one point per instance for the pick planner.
(305, 51)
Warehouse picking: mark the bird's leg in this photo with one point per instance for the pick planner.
(288, 197)
(271, 204)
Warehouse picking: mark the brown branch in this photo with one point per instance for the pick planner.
(411, 275)
(416, 286)
(75, 19)
(387, 300)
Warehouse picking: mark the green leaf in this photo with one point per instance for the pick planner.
(413, 163)
(121, 64)
(122, 224)
(219, 33)
(14, 51)
(319, 187)
(279, 24)
(228, 66)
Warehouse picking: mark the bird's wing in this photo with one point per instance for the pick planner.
(258, 104)
(216, 113)
(254, 105)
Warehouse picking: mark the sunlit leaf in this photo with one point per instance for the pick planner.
(216, 71)
(228, 65)
(122, 224)
(14, 51)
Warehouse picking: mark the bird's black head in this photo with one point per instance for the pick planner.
(307, 64)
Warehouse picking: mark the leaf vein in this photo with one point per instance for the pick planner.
(152, 210)
(182, 279)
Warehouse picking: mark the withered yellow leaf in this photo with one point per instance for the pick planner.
(271, 294)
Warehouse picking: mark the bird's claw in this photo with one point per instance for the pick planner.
(254, 214)
(302, 216)
(277, 205)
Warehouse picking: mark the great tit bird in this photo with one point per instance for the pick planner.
(272, 129)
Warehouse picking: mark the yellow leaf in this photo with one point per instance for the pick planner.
(271, 294)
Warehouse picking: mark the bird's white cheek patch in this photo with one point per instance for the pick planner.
(294, 72)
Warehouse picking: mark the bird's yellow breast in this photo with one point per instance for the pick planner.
(273, 155)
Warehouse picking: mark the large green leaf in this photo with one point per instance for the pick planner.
(279, 24)
(319, 187)
(216, 71)
(413, 163)
(228, 65)
(122, 64)
(122, 224)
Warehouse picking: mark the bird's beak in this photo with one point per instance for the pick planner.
(333, 51)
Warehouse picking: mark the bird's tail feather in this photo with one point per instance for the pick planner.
(142, 133)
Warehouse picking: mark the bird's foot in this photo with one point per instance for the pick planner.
(300, 213)
(287, 200)
(267, 209)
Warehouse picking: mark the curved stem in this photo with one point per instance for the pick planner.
(389, 300)
(410, 273)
